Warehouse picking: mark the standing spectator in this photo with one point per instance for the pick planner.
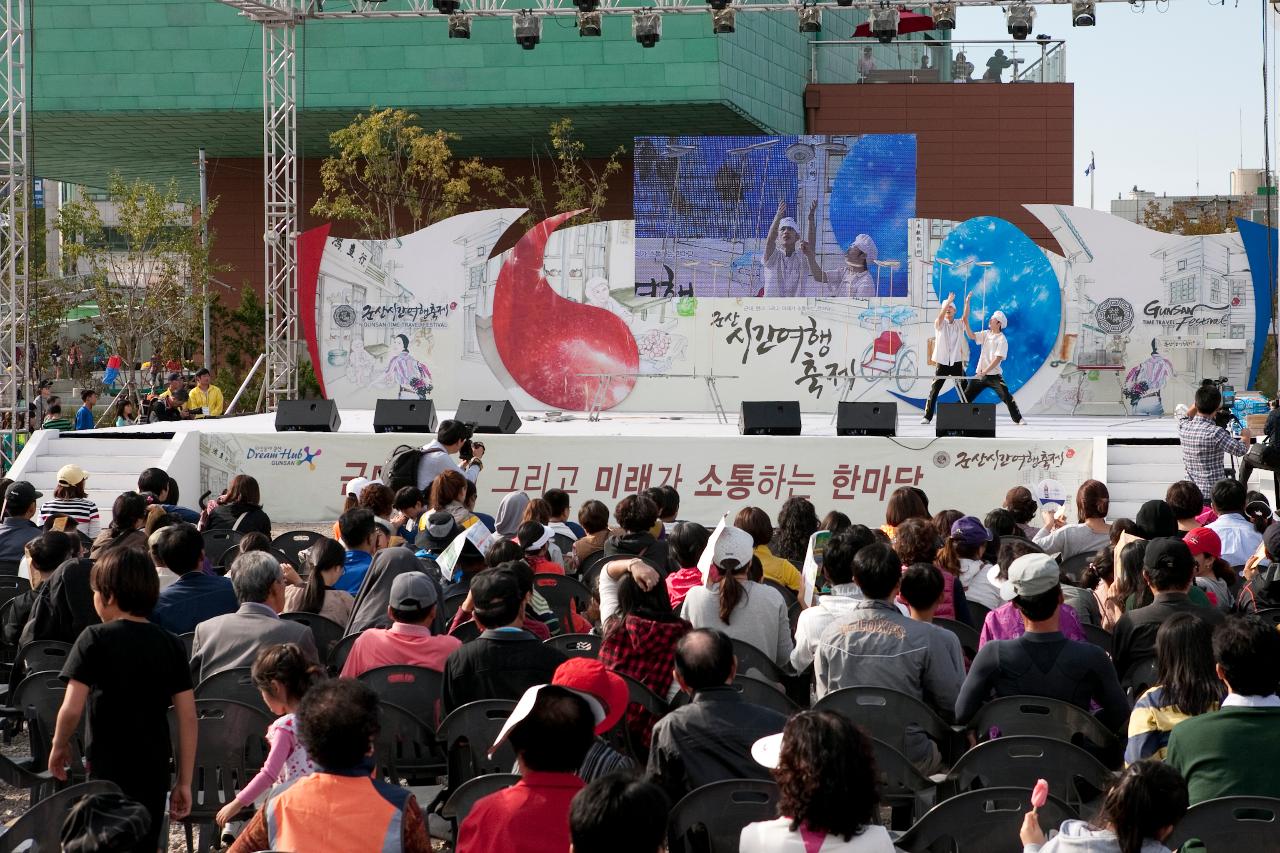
(195, 596)
(590, 677)
(686, 542)
(619, 813)
(437, 456)
(551, 730)
(205, 400)
(343, 805)
(1186, 686)
(755, 522)
(594, 518)
(40, 405)
(241, 509)
(323, 562)
(743, 609)
(1088, 534)
(1023, 505)
(710, 738)
(1204, 442)
(961, 556)
(1233, 751)
(130, 672)
(363, 538)
(70, 499)
(838, 603)
(1186, 501)
(409, 641)
(876, 645)
(827, 790)
(75, 360)
(84, 414)
(17, 529)
(1238, 536)
(797, 522)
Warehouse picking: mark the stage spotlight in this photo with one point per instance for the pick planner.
(884, 22)
(722, 21)
(810, 17)
(1020, 17)
(717, 5)
(447, 7)
(944, 15)
(646, 26)
(1083, 13)
(589, 23)
(527, 28)
(844, 3)
(587, 5)
(460, 26)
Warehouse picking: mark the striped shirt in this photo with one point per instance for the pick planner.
(1203, 443)
(1149, 725)
(83, 510)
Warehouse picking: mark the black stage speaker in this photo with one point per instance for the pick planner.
(967, 420)
(307, 416)
(488, 416)
(867, 419)
(773, 417)
(404, 416)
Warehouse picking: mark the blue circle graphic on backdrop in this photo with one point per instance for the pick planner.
(875, 193)
(1020, 282)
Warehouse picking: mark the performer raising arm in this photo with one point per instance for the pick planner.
(950, 349)
(995, 348)
(790, 263)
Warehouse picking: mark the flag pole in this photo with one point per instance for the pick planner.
(1092, 170)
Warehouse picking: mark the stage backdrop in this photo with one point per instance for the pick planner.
(303, 477)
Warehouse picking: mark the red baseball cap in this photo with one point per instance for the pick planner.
(1202, 540)
(588, 675)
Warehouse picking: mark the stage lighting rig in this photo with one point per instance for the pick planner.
(1084, 13)
(719, 5)
(722, 21)
(1020, 17)
(646, 26)
(589, 24)
(527, 28)
(944, 15)
(884, 22)
(587, 5)
(809, 17)
(460, 26)
(447, 7)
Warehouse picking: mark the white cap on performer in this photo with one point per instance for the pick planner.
(1000, 318)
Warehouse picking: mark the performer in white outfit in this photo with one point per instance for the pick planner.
(790, 265)
(995, 349)
(950, 350)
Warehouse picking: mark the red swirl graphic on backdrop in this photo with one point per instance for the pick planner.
(546, 341)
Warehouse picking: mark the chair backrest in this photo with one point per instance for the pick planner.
(414, 688)
(11, 586)
(1044, 717)
(325, 631)
(1230, 823)
(230, 748)
(764, 694)
(903, 787)
(7, 652)
(560, 592)
(467, 631)
(589, 569)
(753, 661)
(986, 821)
(450, 604)
(1073, 567)
(406, 749)
(978, 614)
(884, 713)
(460, 803)
(788, 595)
(38, 697)
(1100, 637)
(42, 656)
(1270, 614)
(338, 654)
(576, 645)
(41, 826)
(1141, 677)
(467, 734)
(218, 542)
(232, 685)
(711, 818)
(294, 543)
(1018, 761)
(965, 633)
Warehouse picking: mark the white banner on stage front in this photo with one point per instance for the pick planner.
(303, 475)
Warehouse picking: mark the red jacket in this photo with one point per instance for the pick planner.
(532, 816)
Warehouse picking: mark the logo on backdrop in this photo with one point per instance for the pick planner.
(431, 315)
(344, 316)
(277, 455)
(1179, 317)
(1114, 315)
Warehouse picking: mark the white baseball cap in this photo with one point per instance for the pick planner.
(788, 222)
(356, 485)
(734, 543)
(1031, 574)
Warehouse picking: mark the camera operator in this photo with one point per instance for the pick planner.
(1204, 441)
(437, 457)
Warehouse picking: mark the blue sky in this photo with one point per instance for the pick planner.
(1153, 89)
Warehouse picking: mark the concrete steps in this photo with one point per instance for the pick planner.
(113, 465)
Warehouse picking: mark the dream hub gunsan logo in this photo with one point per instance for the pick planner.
(287, 456)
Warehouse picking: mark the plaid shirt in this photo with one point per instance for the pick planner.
(645, 650)
(1203, 443)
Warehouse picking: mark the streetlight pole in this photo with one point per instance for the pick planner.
(204, 244)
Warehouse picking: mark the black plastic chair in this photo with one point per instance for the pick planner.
(12, 586)
(907, 791)
(218, 542)
(338, 654)
(589, 569)
(1073, 567)
(39, 830)
(294, 544)
(230, 748)
(35, 702)
(42, 656)
(1100, 637)
(884, 714)
(562, 593)
(1051, 718)
(1270, 614)
(710, 819)
(576, 645)
(966, 634)
(460, 803)
(406, 749)
(324, 630)
(7, 652)
(233, 685)
(1141, 678)
(788, 595)
(754, 661)
(764, 694)
(467, 733)
(978, 614)
(986, 821)
(1017, 761)
(414, 688)
(467, 631)
(621, 737)
(450, 604)
(1230, 823)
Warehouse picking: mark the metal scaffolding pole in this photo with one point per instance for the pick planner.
(14, 211)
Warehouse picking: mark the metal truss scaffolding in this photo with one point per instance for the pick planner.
(15, 186)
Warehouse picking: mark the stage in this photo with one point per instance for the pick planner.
(303, 474)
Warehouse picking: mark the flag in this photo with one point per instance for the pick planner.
(1088, 170)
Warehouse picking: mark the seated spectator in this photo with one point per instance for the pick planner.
(566, 532)
(233, 640)
(961, 556)
(378, 498)
(17, 529)
(408, 507)
(409, 641)
(1186, 502)
(904, 503)
(594, 518)
(1006, 622)
(756, 522)
(510, 514)
(917, 542)
(1186, 686)
(797, 522)
(1042, 662)
(436, 531)
(876, 645)
(157, 487)
(350, 501)
(324, 562)
(619, 813)
(686, 541)
(638, 517)
(370, 608)
(240, 509)
(1023, 505)
(47, 552)
(70, 499)
(590, 677)
(534, 539)
(1088, 534)
(195, 596)
(170, 407)
(473, 496)
(362, 538)
(1262, 582)
(1155, 521)
(449, 494)
(1168, 569)
(1099, 577)
(1212, 575)
(505, 660)
(1238, 535)
(710, 738)
(54, 419)
(551, 730)
(835, 522)
(337, 724)
(1233, 751)
(128, 518)
(539, 619)
(1138, 813)
(922, 590)
(743, 609)
(827, 789)
(842, 595)
(63, 605)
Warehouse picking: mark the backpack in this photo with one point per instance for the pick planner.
(401, 467)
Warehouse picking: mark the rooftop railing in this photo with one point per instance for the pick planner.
(902, 61)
